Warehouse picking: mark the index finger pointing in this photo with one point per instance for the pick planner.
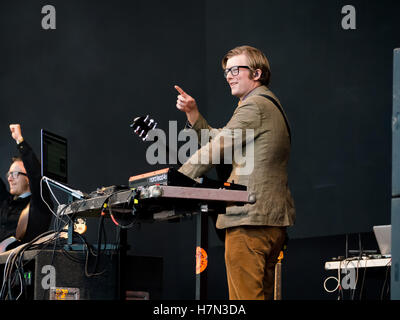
(180, 90)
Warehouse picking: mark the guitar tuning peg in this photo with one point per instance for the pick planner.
(145, 119)
(137, 129)
(134, 122)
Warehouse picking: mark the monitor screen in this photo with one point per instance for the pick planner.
(54, 156)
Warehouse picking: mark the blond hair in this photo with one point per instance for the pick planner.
(256, 60)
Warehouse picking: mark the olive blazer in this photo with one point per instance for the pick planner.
(259, 161)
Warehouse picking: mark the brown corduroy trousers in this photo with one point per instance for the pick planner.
(251, 253)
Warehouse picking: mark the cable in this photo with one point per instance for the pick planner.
(386, 277)
(13, 272)
(102, 232)
(15, 258)
(57, 215)
(356, 280)
(98, 253)
(346, 262)
(363, 281)
(5, 273)
(41, 195)
(130, 225)
(338, 278)
(360, 250)
(338, 284)
(335, 278)
(51, 191)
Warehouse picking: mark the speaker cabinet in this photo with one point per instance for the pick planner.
(70, 275)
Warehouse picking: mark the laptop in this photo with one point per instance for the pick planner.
(54, 156)
(383, 237)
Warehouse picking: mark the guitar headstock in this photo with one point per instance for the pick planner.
(142, 125)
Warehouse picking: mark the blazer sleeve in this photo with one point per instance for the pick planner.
(32, 166)
(39, 214)
(246, 116)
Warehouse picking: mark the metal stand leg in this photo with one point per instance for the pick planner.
(122, 273)
(201, 253)
(278, 282)
(278, 278)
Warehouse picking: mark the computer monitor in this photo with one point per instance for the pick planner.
(54, 158)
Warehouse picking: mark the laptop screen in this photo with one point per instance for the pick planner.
(54, 156)
(383, 237)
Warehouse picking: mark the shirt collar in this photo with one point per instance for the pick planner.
(253, 92)
(24, 195)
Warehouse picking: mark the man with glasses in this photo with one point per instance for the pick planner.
(23, 215)
(255, 233)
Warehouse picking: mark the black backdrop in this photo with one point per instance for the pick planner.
(109, 61)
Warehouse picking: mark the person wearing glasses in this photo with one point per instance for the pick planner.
(254, 233)
(23, 214)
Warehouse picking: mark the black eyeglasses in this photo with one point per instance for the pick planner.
(234, 70)
(14, 174)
